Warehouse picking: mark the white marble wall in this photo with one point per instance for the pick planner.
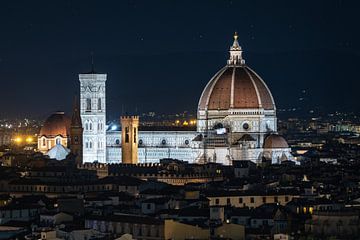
(92, 90)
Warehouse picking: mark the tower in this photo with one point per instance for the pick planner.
(76, 133)
(93, 116)
(129, 139)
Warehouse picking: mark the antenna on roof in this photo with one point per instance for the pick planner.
(92, 62)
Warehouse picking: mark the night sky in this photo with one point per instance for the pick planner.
(159, 55)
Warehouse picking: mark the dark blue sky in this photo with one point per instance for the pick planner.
(160, 54)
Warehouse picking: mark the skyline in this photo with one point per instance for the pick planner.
(170, 63)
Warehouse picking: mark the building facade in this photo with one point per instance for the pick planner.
(93, 116)
(236, 120)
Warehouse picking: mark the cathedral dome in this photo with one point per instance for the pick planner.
(57, 124)
(236, 86)
(275, 141)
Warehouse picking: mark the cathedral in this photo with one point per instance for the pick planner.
(236, 120)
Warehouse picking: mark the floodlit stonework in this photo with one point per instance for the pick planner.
(93, 116)
(236, 120)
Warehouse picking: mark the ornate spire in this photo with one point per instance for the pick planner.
(235, 53)
(76, 119)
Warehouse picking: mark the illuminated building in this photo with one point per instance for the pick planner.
(55, 131)
(236, 120)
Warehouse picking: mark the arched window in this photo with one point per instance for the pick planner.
(90, 144)
(58, 141)
(86, 126)
(88, 104)
(44, 142)
(99, 104)
(87, 145)
(90, 126)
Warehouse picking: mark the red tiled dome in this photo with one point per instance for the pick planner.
(275, 141)
(57, 124)
(236, 87)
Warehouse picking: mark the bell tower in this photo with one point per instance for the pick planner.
(93, 115)
(76, 133)
(129, 139)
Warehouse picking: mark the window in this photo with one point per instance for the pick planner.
(276, 199)
(44, 142)
(240, 200)
(127, 134)
(76, 139)
(86, 126)
(88, 104)
(134, 135)
(217, 201)
(117, 141)
(99, 104)
(252, 200)
(58, 141)
(228, 202)
(90, 144)
(90, 126)
(286, 198)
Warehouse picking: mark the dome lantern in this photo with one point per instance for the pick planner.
(236, 53)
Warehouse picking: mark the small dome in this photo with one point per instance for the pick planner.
(275, 141)
(57, 124)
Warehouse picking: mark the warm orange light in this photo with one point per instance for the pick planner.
(311, 210)
(192, 122)
(18, 139)
(29, 139)
(177, 121)
(185, 123)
